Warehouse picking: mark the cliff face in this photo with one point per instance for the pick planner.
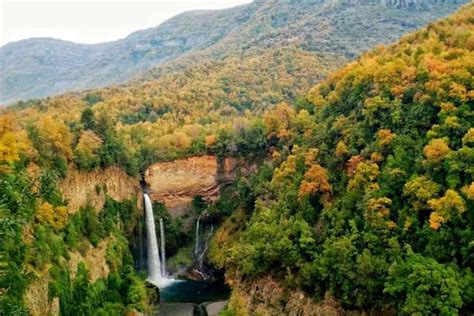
(265, 296)
(94, 259)
(176, 183)
(36, 298)
(80, 188)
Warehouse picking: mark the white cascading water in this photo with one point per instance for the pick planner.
(196, 247)
(155, 271)
(206, 246)
(163, 253)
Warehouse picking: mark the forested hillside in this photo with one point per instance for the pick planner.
(209, 108)
(42, 67)
(371, 204)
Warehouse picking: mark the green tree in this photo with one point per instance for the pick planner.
(87, 119)
(422, 286)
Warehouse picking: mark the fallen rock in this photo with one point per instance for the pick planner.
(215, 308)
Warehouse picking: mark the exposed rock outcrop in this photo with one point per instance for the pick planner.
(215, 308)
(265, 296)
(81, 188)
(176, 183)
(94, 259)
(36, 298)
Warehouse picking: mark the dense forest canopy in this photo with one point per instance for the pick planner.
(206, 108)
(373, 202)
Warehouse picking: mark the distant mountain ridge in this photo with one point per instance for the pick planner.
(42, 67)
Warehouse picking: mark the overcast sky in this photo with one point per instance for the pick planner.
(88, 21)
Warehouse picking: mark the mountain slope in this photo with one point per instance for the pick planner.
(42, 67)
(371, 208)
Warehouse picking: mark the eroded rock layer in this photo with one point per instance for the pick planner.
(176, 183)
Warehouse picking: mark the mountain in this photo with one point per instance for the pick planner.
(42, 66)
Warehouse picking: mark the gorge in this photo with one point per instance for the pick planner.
(178, 295)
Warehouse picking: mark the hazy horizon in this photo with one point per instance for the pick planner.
(106, 20)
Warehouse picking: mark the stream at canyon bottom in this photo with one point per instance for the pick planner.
(193, 298)
(187, 291)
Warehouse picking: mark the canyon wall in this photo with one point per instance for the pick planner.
(265, 296)
(36, 298)
(36, 295)
(176, 183)
(82, 188)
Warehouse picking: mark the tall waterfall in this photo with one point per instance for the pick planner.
(163, 253)
(156, 273)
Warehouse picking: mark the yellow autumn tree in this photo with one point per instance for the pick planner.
(469, 191)
(181, 140)
(378, 212)
(468, 139)
(86, 150)
(436, 150)
(385, 136)
(315, 181)
(444, 208)
(13, 141)
(310, 156)
(277, 120)
(284, 174)
(210, 140)
(303, 121)
(364, 177)
(376, 157)
(54, 216)
(341, 149)
(56, 138)
(419, 191)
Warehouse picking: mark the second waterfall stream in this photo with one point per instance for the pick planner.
(156, 265)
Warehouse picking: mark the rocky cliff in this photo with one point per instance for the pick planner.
(265, 296)
(36, 296)
(176, 183)
(81, 188)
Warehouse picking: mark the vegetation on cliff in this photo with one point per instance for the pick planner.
(39, 238)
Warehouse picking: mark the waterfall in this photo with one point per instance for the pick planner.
(206, 247)
(155, 270)
(196, 248)
(141, 251)
(163, 253)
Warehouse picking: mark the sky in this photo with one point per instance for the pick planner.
(89, 21)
